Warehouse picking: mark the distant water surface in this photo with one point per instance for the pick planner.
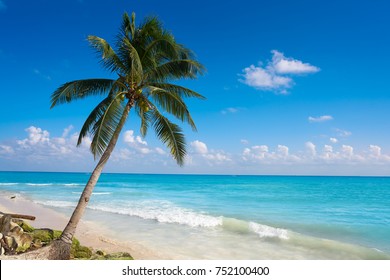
(228, 217)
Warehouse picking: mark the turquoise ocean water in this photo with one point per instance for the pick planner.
(228, 217)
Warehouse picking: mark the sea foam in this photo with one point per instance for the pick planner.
(162, 212)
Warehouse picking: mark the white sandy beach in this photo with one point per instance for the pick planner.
(89, 234)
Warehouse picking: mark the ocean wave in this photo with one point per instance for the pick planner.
(264, 231)
(163, 212)
(39, 184)
(169, 213)
(57, 203)
(42, 184)
(95, 193)
(166, 212)
(245, 227)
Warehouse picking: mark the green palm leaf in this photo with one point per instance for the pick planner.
(80, 89)
(109, 60)
(179, 90)
(175, 69)
(171, 135)
(93, 117)
(105, 127)
(142, 108)
(129, 54)
(173, 104)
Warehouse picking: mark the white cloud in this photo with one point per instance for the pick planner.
(160, 151)
(347, 150)
(199, 147)
(129, 138)
(311, 148)
(343, 133)
(200, 151)
(262, 79)
(6, 150)
(230, 110)
(258, 152)
(136, 142)
(244, 141)
(276, 75)
(320, 118)
(35, 136)
(333, 140)
(41, 151)
(283, 150)
(375, 151)
(284, 65)
(328, 152)
(313, 159)
(66, 131)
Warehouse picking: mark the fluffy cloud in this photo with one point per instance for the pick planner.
(136, 142)
(35, 136)
(328, 152)
(333, 140)
(66, 131)
(276, 75)
(263, 154)
(6, 150)
(41, 151)
(320, 118)
(347, 151)
(255, 152)
(283, 151)
(199, 147)
(263, 79)
(284, 65)
(375, 151)
(311, 148)
(346, 155)
(130, 139)
(201, 152)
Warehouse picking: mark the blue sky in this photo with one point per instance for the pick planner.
(292, 87)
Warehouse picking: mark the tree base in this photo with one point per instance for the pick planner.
(59, 250)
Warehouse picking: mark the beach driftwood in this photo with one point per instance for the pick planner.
(19, 216)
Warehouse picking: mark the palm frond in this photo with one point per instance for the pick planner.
(173, 104)
(171, 135)
(183, 92)
(104, 129)
(142, 108)
(93, 117)
(129, 55)
(109, 58)
(160, 49)
(80, 89)
(128, 26)
(174, 69)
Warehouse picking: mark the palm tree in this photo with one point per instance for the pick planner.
(146, 60)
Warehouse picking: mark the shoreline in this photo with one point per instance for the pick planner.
(88, 233)
(155, 218)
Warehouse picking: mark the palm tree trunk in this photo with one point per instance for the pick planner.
(61, 248)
